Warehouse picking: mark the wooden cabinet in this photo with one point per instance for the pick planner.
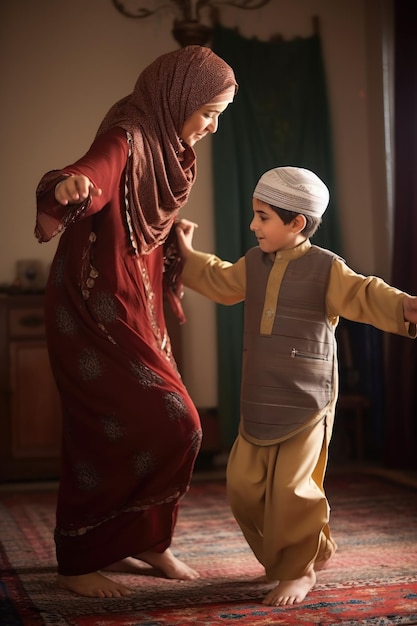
(30, 423)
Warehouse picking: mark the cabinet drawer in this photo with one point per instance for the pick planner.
(26, 322)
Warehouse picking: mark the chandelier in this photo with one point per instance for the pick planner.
(188, 28)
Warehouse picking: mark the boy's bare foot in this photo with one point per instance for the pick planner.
(93, 585)
(291, 591)
(169, 565)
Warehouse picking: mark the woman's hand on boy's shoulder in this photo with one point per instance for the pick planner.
(185, 233)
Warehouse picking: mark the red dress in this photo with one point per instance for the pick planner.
(131, 433)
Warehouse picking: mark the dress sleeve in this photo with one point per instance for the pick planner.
(221, 281)
(366, 299)
(103, 164)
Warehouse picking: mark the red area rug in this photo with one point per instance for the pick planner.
(372, 580)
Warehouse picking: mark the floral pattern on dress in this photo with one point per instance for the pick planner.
(146, 377)
(175, 406)
(90, 365)
(196, 438)
(105, 307)
(113, 429)
(144, 463)
(65, 322)
(87, 476)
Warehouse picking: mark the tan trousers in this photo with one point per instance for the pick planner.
(277, 497)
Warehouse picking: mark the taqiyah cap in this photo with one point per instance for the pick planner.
(295, 189)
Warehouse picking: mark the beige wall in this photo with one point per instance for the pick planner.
(64, 62)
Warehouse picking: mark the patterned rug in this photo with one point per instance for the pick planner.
(371, 581)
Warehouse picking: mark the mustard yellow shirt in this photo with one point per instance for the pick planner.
(359, 298)
(365, 299)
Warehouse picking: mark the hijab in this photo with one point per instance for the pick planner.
(166, 93)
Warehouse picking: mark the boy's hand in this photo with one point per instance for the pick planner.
(185, 232)
(410, 309)
(75, 189)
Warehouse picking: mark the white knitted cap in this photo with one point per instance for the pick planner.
(295, 189)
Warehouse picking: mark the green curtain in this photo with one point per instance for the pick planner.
(280, 116)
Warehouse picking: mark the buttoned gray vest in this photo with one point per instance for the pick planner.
(287, 375)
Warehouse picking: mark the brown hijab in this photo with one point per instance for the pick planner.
(166, 93)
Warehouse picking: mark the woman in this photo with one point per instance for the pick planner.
(130, 430)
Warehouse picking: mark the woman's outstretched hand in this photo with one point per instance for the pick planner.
(75, 189)
(185, 232)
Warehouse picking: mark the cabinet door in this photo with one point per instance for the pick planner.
(36, 413)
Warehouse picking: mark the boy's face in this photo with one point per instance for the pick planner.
(271, 232)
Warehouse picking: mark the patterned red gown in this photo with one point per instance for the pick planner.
(130, 430)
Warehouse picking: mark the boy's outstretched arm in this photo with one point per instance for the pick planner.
(410, 309)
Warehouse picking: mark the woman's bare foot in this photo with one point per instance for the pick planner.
(169, 565)
(93, 585)
(291, 591)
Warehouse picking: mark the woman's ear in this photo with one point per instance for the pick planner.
(299, 223)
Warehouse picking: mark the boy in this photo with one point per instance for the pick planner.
(294, 294)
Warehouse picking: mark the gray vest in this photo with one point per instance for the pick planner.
(287, 375)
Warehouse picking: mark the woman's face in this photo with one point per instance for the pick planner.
(203, 121)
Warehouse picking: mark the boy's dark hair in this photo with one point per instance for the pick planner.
(312, 223)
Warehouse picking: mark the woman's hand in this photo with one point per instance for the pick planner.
(75, 189)
(185, 232)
